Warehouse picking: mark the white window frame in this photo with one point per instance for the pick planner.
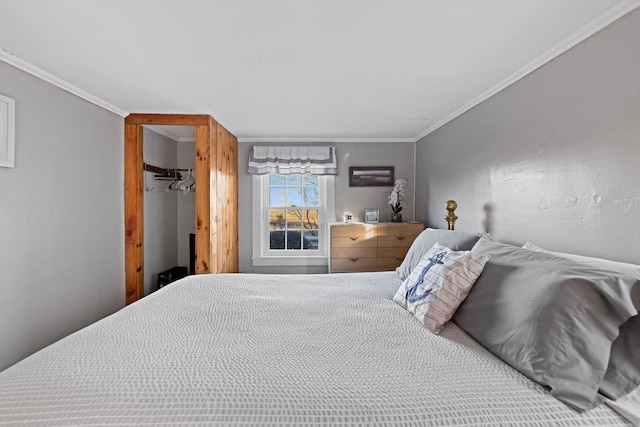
(262, 255)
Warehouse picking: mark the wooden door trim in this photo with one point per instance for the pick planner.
(205, 211)
(134, 196)
(133, 212)
(170, 119)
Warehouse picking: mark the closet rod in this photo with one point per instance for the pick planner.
(162, 171)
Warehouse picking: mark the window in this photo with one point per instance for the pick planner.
(293, 212)
(290, 218)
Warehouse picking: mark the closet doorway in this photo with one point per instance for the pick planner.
(169, 204)
(216, 196)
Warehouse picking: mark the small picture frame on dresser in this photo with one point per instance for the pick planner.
(372, 216)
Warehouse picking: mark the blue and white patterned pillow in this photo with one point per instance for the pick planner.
(438, 284)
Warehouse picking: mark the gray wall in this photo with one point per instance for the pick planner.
(553, 158)
(352, 199)
(61, 217)
(186, 204)
(160, 211)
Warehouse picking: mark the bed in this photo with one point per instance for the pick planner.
(312, 350)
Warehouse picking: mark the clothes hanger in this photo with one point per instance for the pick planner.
(188, 183)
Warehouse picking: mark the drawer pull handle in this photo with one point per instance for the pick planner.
(354, 259)
(354, 238)
(399, 259)
(401, 237)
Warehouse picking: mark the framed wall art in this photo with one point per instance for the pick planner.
(371, 176)
(7, 131)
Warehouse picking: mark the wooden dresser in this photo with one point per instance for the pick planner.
(370, 247)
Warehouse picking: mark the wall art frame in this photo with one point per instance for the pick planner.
(372, 216)
(7, 131)
(371, 176)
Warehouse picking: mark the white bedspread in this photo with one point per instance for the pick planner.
(275, 350)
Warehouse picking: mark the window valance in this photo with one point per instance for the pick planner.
(293, 159)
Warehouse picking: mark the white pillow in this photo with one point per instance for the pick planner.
(438, 284)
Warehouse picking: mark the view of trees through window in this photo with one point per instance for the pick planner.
(293, 211)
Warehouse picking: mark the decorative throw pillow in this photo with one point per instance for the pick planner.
(438, 284)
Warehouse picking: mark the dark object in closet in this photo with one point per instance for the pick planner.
(192, 253)
(171, 275)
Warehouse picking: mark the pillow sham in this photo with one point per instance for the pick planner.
(627, 268)
(438, 284)
(456, 240)
(551, 318)
(623, 371)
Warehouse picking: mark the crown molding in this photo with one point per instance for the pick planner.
(611, 15)
(27, 67)
(271, 140)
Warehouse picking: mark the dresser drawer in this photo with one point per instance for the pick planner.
(396, 241)
(386, 264)
(390, 257)
(398, 235)
(354, 242)
(353, 264)
(348, 259)
(399, 230)
(355, 231)
(392, 252)
(351, 252)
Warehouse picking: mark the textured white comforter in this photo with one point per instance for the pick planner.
(275, 350)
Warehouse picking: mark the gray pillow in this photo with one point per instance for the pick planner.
(622, 267)
(623, 371)
(551, 318)
(455, 240)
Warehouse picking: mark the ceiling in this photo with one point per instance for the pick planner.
(296, 70)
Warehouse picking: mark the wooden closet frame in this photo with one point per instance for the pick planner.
(216, 174)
